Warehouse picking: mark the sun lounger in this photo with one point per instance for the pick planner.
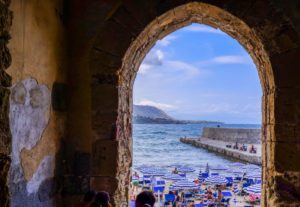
(169, 197)
(199, 205)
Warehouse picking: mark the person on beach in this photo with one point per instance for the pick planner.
(135, 181)
(145, 199)
(87, 199)
(191, 204)
(219, 196)
(177, 202)
(103, 199)
(175, 171)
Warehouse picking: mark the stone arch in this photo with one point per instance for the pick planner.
(258, 26)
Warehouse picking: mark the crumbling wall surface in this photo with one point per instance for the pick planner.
(29, 117)
(5, 82)
(38, 65)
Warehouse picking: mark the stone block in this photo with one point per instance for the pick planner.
(121, 39)
(105, 97)
(75, 185)
(102, 62)
(281, 133)
(104, 157)
(59, 96)
(287, 156)
(287, 188)
(104, 183)
(5, 140)
(82, 163)
(285, 68)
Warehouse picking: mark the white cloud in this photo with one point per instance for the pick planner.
(159, 66)
(153, 58)
(187, 70)
(231, 59)
(202, 28)
(162, 106)
(166, 40)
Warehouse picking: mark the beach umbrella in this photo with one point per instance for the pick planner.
(254, 175)
(184, 185)
(236, 164)
(175, 165)
(173, 177)
(153, 171)
(236, 171)
(235, 189)
(142, 167)
(256, 188)
(250, 167)
(216, 180)
(185, 169)
(219, 167)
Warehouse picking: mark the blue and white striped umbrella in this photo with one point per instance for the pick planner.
(153, 171)
(250, 167)
(185, 169)
(256, 188)
(236, 171)
(184, 185)
(254, 175)
(173, 177)
(175, 165)
(219, 167)
(235, 189)
(217, 180)
(236, 164)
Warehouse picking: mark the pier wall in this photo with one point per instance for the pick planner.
(247, 136)
(224, 151)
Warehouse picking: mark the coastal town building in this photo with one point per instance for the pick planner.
(67, 69)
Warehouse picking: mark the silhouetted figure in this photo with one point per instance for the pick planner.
(145, 199)
(103, 199)
(87, 199)
(94, 204)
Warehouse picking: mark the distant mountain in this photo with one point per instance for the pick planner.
(143, 114)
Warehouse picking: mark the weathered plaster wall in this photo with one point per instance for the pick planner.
(38, 47)
(247, 136)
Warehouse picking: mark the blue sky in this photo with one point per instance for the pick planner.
(200, 73)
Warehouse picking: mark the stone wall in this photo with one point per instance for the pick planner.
(5, 83)
(85, 56)
(247, 136)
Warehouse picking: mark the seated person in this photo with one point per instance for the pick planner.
(236, 146)
(252, 149)
(209, 196)
(175, 171)
(219, 196)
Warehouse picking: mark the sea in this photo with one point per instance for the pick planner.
(158, 145)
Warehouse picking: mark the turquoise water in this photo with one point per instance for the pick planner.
(159, 145)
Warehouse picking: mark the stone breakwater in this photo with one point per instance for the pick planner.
(243, 136)
(220, 147)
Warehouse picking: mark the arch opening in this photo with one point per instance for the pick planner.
(190, 94)
(171, 21)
